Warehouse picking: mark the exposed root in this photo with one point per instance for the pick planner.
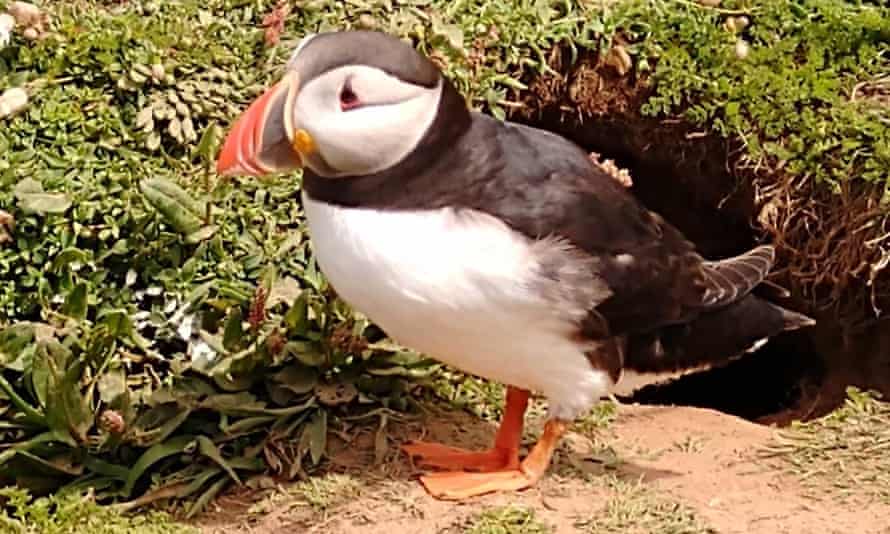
(834, 248)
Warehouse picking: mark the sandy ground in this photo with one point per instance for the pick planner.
(703, 460)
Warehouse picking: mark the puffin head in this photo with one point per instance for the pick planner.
(350, 103)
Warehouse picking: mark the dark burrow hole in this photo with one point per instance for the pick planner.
(687, 179)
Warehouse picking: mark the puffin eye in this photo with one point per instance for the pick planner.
(348, 98)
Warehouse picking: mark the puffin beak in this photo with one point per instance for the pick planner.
(265, 139)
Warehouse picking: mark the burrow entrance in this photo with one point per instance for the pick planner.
(688, 177)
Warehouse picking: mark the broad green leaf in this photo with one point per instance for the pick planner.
(233, 332)
(45, 350)
(306, 352)
(286, 290)
(209, 449)
(199, 481)
(202, 234)
(57, 465)
(68, 257)
(175, 445)
(157, 434)
(76, 302)
(247, 424)
(317, 430)
(179, 209)
(233, 403)
(297, 317)
(8, 454)
(297, 378)
(68, 412)
(206, 497)
(33, 199)
(42, 203)
(97, 465)
(117, 321)
(206, 148)
(111, 385)
(27, 186)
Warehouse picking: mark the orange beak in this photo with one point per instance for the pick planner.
(263, 139)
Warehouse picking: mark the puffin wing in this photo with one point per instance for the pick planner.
(546, 187)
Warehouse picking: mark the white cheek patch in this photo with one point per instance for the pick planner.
(393, 118)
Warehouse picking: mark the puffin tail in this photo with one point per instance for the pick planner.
(713, 339)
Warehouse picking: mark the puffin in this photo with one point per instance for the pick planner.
(494, 247)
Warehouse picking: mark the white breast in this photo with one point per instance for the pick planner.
(455, 286)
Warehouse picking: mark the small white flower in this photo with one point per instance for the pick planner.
(202, 354)
(7, 23)
(186, 327)
(12, 101)
(154, 291)
(742, 49)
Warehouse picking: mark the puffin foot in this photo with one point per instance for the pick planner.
(438, 456)
(502, 456)
(459, 485)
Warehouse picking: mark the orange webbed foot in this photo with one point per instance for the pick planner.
(458, 485)
(438, 456)
(462, 485)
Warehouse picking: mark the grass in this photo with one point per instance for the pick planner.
(511, 519)
(320, 494)
(77, 514)
(631, 508)
(842, 455)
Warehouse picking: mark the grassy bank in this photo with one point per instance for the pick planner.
(154, 356)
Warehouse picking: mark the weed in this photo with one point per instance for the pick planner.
(511, 519)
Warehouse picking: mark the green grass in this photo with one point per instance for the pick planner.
(161, 343)
(77, 514)
(510, 519)
(842, 455)
(632, 508)
(320, 494)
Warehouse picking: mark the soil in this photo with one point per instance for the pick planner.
(699, 458)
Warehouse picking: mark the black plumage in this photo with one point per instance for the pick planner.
(669, 308)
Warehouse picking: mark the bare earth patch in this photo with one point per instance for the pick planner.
(655, 469)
